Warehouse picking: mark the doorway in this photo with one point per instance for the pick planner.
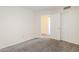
(45, 25)
(51, 26)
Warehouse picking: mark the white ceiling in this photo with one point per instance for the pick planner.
(44, 8)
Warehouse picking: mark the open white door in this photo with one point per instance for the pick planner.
(55, 26)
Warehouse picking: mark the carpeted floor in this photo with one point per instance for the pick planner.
(42, 45)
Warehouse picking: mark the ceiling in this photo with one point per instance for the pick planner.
(44, 8)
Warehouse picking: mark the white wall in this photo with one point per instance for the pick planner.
(70, 25)
(38, 25)
(17, 24)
